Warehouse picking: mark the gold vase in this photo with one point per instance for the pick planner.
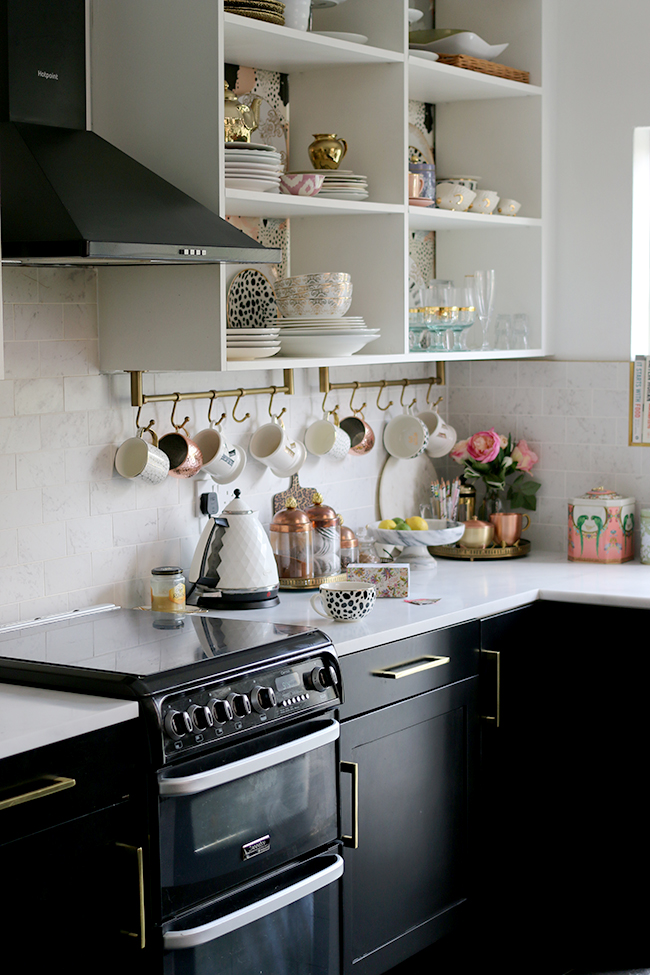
(327, 151)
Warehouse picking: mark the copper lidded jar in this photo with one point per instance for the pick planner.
(292, 542)
(327, 538)
(349, 547)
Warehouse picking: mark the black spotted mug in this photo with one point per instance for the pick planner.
(344, 600)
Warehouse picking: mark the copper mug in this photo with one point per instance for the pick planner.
(508, 526)
(362, 437)
(185, 457)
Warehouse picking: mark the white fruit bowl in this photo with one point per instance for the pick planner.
(414, 543)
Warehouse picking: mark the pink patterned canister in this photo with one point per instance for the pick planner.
(601, 527)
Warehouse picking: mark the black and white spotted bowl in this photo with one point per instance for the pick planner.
(344, 600)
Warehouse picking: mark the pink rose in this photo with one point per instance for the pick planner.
(524, 457)
(484, 446)
(459, 453)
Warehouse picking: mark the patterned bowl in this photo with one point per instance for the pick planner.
(301, 184)
(324, 278)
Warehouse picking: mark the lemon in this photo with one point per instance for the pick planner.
(387, 523)
(417, 524)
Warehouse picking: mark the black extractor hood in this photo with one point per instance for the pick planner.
(67, 195)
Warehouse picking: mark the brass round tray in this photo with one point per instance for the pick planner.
(458, 551)
(313, 583)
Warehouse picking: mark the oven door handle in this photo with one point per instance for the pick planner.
(191, 938)
(187, 785)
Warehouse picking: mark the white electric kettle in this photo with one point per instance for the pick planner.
(233, 566)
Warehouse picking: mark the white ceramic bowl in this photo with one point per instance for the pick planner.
(301, 184)
(456, 42)
(316, 306)
(324, 345)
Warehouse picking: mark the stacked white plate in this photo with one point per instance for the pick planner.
(325, 336)
(342, 184)
(253, 166)
(252, 343)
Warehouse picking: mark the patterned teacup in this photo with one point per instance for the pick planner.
(344, 600)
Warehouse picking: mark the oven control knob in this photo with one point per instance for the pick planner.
(320, 678)
(201, 717)
(221, 711)
(177, 724)
(240, 705)
(263, 698)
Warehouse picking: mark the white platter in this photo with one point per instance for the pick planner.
(257, 185)
(342, 36)
(323, 345)
(343, 196)
(268, 333)
(251, 145)
(258, 353)
(462, 42)
(404, 485)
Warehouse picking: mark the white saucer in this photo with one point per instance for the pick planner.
(251, 145)
(261, 352)
(258, 185)
(428, 55)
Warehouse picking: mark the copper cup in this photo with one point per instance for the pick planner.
(185, 457)
(508, 526)
(362, 438)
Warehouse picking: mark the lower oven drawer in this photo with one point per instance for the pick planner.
(246, 810)
(286, 922)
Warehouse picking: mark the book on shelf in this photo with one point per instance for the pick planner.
(638, 398)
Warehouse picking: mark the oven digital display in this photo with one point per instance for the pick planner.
(287, 681)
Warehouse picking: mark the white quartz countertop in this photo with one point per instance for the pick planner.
(467, 591)
(32, 716)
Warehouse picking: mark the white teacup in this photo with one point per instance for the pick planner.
(344, 600)
(508, 208)
(405, 436)
(222, 460)
(454, 196)
(442, 436)
(272, 447)
(485, 202)
(326, 438)
(137, 458)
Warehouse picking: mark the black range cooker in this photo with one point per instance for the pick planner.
(241, 779)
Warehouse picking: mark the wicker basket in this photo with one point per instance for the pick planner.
(485, 67)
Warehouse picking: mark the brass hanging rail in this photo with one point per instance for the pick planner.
(139, 398)
(326, 386)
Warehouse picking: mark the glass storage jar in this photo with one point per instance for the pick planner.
(327, 538)
(167, 589)
(292, 542)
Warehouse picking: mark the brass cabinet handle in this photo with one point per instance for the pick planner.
(353, 840)
(495, 717)
(139, 858)
(45, 785)
(412, 667)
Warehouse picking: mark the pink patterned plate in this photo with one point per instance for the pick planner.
(420, 201)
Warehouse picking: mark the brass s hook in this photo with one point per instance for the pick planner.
(223, 415)
(405, 383)
(328, 412)
(246, 415)
(382, 386)
(142, 430)
(178, 426)
(432, 383)
(282, 411)
(360, 408)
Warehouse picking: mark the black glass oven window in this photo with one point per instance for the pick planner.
(221, 837)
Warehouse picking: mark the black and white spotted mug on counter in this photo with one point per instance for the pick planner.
(344, 600)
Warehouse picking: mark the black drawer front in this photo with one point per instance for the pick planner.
(103, 765)
(396, 671)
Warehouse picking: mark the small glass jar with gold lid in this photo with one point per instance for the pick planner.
(327, 537)
(292, 542)
(349, 547)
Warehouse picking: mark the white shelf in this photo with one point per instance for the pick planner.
(304, 362)
(434, 218)
(245, 203)
(255, 44)
(430, 81)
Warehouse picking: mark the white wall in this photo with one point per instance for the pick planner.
(597, 82)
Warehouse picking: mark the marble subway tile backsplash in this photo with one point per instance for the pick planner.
(73, 533)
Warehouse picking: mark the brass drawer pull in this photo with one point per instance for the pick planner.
(352, 841)
(497, 716)
(139, 862)
(46, 785)
(412, 667)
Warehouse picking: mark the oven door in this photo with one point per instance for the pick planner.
(244, 810)
(287, 922)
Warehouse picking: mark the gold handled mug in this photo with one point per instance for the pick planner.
(508, 526)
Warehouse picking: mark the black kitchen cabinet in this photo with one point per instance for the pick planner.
(409, 751)
(72, 854)
(564, 843)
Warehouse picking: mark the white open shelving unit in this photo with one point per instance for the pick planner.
(173, 318)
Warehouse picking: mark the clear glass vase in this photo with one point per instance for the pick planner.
(491, 504)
